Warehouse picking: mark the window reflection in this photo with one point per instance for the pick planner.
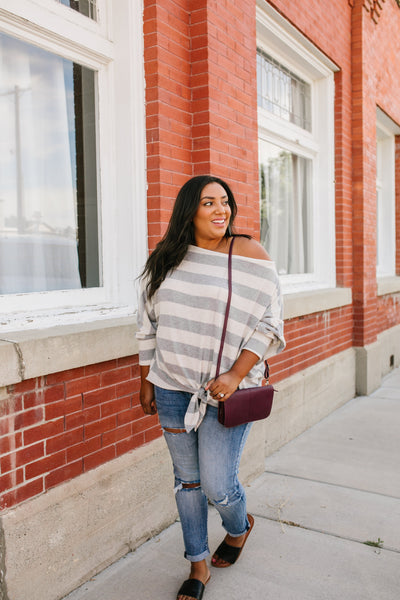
(85, 7)
(48, 189)
(282, 93)
(285, 183)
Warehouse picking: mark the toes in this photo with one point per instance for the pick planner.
(216, 561)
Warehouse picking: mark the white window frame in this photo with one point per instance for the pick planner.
(280, 40)
(386, 130)
(113, 47)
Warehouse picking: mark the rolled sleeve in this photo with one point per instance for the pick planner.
(147, 328)
(267, 338)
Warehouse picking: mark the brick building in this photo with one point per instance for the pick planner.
(106, 108)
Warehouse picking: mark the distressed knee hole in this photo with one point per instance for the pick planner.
(174, 430)
(195, 485)
(191, 486)
(223, 502)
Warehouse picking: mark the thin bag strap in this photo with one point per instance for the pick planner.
(228, 306)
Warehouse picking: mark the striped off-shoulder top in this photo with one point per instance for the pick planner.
(179, 328)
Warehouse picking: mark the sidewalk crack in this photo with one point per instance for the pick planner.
(338, 485)
(329, 533)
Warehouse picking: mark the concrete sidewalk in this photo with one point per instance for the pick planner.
(321, 497)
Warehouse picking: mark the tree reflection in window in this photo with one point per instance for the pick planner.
(48, 198)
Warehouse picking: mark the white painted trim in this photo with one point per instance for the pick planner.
(305, 303)
(286, 44)
(121, 142)
(324, 190)
(295, 138)
(95, 336)
(386, 130)
(28, 354)
(388, 285)
(78, 39)
(66, 13)
(386, 122)
(282, 34)
(131, 145)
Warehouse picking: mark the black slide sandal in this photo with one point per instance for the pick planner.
(228, 553)
(194, 588)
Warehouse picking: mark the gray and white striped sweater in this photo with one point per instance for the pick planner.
(179, 328)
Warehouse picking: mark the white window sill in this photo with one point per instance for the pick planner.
(308, 302)
(25, 354)
(388, 285)
(34, 353)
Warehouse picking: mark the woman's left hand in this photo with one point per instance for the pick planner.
(223, 386)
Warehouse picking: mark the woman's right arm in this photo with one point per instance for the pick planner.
(147, 398)
(146, 336)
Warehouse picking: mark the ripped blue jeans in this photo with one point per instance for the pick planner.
(206, 464)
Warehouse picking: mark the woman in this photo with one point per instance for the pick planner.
(181, 312)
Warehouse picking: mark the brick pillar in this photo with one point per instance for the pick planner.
(364, 181)
(224, 88)
(343, 177)
(168, 107)
(201, 103)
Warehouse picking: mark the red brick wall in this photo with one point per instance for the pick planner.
(312, 338)
(167, 55)
(382, 88)
(56, 427)
(377, 84)
(388, 311)
(385, 81)
(201, 117)
(364, 189)
(225, 101)
(370, 49)
(224, 125)
(397, 192)
(343, 179)
(201, 109)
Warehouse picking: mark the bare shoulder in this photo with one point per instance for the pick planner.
(250, 248)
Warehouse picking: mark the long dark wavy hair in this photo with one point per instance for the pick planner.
(171, 250)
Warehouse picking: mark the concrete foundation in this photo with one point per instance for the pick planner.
(57, 541)
(60, 539)
(307, 397)
(376, 360)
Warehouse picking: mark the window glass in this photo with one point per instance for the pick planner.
(85, 7)
(385, 204)
(48, 197)
(282, 93)
(295, 97)
(285, 193)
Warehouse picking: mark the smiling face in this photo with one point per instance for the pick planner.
(212, 216)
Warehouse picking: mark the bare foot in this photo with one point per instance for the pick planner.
(199, 570)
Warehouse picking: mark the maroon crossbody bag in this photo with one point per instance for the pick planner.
(250, 404)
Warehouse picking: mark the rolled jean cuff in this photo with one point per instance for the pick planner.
(245, 531)
(197, 557)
